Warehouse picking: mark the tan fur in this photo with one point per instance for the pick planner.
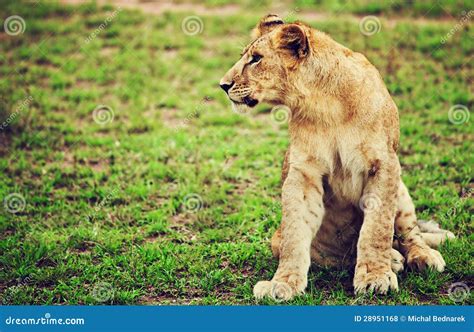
(344, 135)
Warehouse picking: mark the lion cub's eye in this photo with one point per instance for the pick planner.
(255, 58)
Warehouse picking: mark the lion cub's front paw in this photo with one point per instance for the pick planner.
(397, 261)
(281, 289)
(421, 258)
(379, 281)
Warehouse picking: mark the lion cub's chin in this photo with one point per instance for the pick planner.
(239, 108)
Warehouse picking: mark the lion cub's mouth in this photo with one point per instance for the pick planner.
(250, 102)
(244, 105)
(247, 100)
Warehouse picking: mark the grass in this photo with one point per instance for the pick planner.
(176, 198)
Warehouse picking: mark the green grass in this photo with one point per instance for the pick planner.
(107, 215)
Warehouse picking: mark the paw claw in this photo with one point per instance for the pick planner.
(379, 282)
(262, 289)
(280, 290)
(423, 258)
(397, 261)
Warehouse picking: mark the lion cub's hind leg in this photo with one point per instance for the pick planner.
(432, 234)
(411, 243)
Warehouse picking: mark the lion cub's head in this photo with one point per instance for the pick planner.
(262, 73)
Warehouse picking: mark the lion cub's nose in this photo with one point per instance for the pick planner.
(226, 86)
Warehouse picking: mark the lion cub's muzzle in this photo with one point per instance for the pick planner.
(226, 86)
(238, 94)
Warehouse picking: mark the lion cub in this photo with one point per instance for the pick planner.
(342, 166)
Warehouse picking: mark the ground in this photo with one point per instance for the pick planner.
(127, 179)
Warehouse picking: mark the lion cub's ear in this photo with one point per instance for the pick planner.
(266, 24)
(292, 37)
